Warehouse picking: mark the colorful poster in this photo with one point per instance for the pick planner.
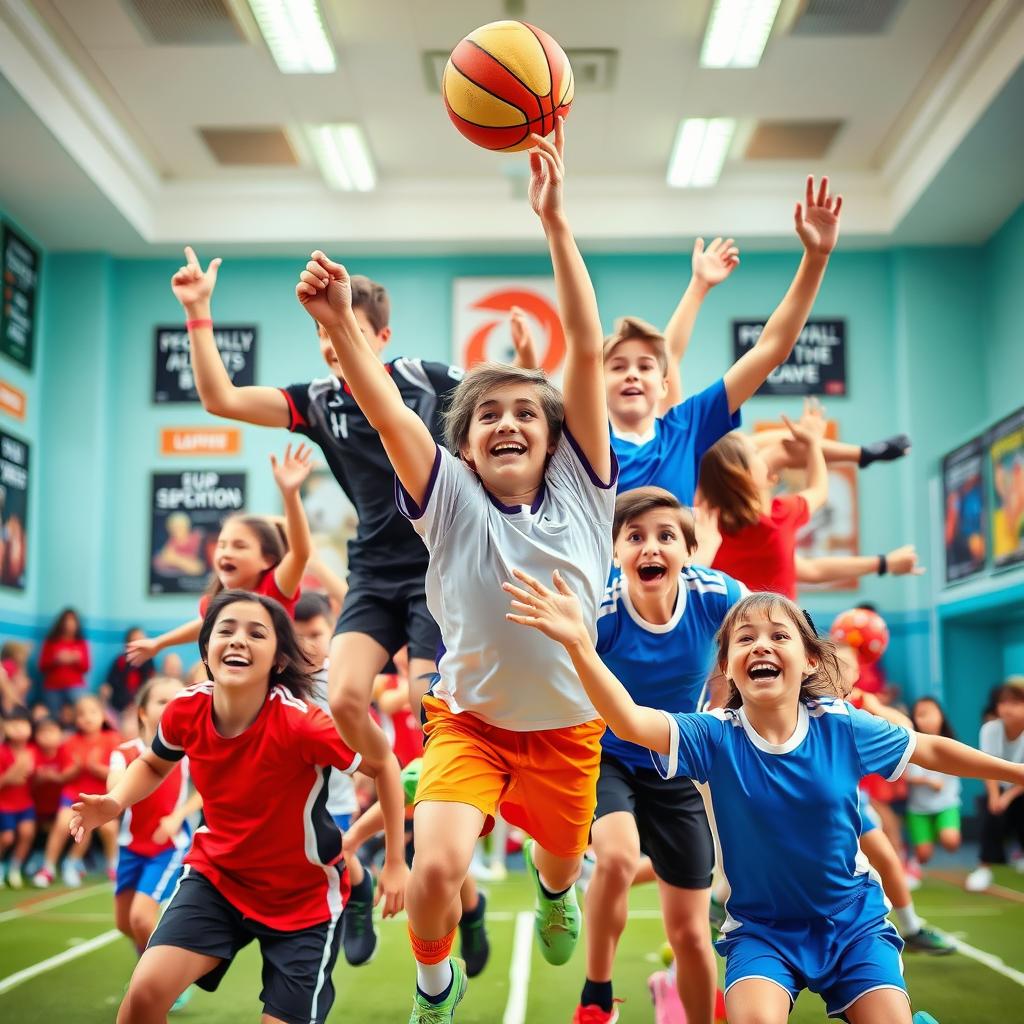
(332, 520)
(1006, 452)
(19, 267)
(14, 478)
(963, 502)
(187, 512)
(480, 320)
(172, 363)
(816, 366)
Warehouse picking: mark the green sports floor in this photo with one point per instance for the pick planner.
(60, 962)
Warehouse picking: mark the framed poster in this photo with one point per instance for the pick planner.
(186, 512)
(1006, 456)
(816, 366)
(14, 479)
(332, 519)
(172, 363)
(964, 515)
(19, 267)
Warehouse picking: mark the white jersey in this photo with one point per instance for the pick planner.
(341, 790)
(509, 675)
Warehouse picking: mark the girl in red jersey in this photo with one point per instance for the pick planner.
(251, 556)
(17, 811)
(267, 864)
(63, 663)
(155, 834)
(84, 761)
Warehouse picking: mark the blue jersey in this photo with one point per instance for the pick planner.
(670, 456)
(786, 814)
(662, 666)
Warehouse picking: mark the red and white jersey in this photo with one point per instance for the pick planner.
(268, 843)
(140, 822)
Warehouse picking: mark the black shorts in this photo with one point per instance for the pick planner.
(297, 966)
(670, 819)
(394, 613)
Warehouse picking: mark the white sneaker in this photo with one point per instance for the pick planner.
(14, 879)
(71, 874)
(913, 883)
(978, 880)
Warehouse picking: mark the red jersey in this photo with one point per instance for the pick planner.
(403, 729)
(763, 555)
(268, 844)
(16, 796)
(269, 588)
(80, 750)
(59, 675)
(140, 822)
(46, 794)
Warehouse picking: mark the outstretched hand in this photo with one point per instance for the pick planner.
(714, 264)
(191, 284)
(818, 223)
(547, 171)
(293, 469)
(138, 652)
(391, 883)
(324, 289)
(91, 811)
(557, 614)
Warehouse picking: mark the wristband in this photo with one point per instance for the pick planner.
(191, 325)
(883, 565)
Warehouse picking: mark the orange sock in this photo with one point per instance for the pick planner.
(432, 951)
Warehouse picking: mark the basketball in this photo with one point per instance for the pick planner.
(504, 81)
(865, 631)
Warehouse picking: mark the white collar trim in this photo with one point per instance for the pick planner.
(785, 747)
(632, 438)
(656, 627)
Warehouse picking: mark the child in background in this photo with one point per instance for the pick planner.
(1003, 814)
(17, 810)
(63, 662)
(267, 865)
(48, 737)
(123, 678)
(251, 556)
(84, 764)
(933, 803)
(15, 683)
(400, 724)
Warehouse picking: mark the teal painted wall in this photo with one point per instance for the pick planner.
(1005, 362)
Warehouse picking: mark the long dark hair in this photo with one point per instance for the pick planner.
(945, 729)
(727, 485)
(55, 629)
(269, 536)
(295, 667)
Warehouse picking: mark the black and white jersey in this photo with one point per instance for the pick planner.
(325, 411)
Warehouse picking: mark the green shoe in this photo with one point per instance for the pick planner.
(556, 923)
(182, 1001)
(426, 1012)
(923, 1017)
(927, 940)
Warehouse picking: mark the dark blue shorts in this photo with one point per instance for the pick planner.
(10, 820)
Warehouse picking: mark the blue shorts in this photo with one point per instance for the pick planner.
(343, 821)
(154, 877)
(869, 819)
(840, 958)
(10, 820)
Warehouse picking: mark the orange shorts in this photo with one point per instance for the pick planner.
(544, 782)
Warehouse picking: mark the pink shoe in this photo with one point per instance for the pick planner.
(43, 878)
(668, 1009)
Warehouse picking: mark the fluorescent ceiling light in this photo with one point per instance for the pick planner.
(737, 33)
(295, 35)
(699, 151)
(343, 157)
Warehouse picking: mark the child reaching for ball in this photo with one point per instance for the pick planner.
(509, 728)
(782, 760)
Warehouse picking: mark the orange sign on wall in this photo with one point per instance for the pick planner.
(12, 400)
(200, 441)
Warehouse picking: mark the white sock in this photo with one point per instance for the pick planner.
(433, 979)
(907, 920)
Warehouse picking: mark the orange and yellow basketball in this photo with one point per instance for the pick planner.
(505, 81)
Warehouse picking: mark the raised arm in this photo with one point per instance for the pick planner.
(193, 288)
(140, 651)
(818, 229)
(900, 561)
(941, 754)
(586, 413)
(289, 475)
(326, 293)
(522, 340)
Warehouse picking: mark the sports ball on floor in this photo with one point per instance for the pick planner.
(505, 81)
(864, 630)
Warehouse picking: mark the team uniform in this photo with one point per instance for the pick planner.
(663, 666)
(341, 790)
(16, 803)
(268, 587)
(931, 811)
(267, 864)
(796, 917)
(80, 750)
(508, 722)
(144, 865)
(387, 561)
(669, 454)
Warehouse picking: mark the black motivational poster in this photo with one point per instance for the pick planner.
(816, 366)
(20, 271)
(14, 468)
(172, 377)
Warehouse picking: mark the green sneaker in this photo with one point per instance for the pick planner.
(182, 1001)
(923, 1017)
(927, 940)
(556, 923)
(426, 1012)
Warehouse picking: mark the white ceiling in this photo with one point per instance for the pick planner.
(123, 163)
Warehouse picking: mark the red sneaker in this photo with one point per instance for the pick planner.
(592, 1014)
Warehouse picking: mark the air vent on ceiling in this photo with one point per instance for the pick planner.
(187, 22)
(250, 147)
(791, 140)
(846, 17)
(593, 69)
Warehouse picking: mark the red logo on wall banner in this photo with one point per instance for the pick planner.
(551, 342)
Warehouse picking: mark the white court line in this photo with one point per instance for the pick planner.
(6, 984)
(519, 970)
(991, 961)
(53, 901)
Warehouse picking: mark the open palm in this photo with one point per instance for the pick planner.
(817, 221)
(715, 263)
(293, 469)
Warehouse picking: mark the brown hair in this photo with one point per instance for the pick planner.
(144, 691)
(628, 328)
(1012, 689)
(726, 484)
(270, 537)
(632, 504)
(823, 682)
(372, 299)
(484, 378)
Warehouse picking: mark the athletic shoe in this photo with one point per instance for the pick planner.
(71, 874)
(668, 1008)
(592, 1014)
(473, 943)
(978, 880)
(14, 879)
(923, 1017)
(1018, 865)
(426, 1012)
(359, 937)
(913, 882)
(927, 940)
(556, 922)
(586, 871)
(182, 1001)
(43, 878)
